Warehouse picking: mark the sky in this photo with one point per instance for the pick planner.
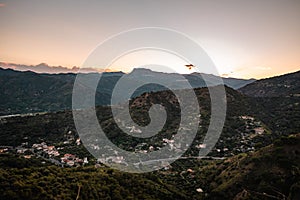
(245, 39)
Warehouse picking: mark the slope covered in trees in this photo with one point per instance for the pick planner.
(279, 86)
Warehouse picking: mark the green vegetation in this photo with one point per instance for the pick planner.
(270, 173)
(86, 183)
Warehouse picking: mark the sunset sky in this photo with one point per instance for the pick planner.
(246, 39)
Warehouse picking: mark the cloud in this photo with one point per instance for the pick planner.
(45, 68)
(2, 4)
(225, 75)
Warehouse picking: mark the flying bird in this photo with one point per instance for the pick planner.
(190, 66)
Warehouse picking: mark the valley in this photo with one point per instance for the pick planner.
(256, 157)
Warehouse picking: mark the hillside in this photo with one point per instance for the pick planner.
(270, 173)
(241, 133)
(280, 114)
(83, 183)
(279, 86)
(276, 102)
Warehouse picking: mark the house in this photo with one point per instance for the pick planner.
(118, 159)
(3, 150)
(247, 118)
(135, 130)
(151, 148)
(51, 148)
(27, 156)
(165, 164)
(201, 146)
(78, 141)
(78, 160)
(70, 163)
(259, 130)
(168, 141)
(21, 151)
(69, 156)
(199, 190)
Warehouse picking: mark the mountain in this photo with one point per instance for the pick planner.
(27, 92)
(195, 79)
(45, 68)
(234, 83)
(23, 92)
(279, 86)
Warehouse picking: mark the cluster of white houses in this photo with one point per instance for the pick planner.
(245, 143)
(50, 153)
(50, 150)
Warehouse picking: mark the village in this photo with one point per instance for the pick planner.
(49, 153)
(59, 155)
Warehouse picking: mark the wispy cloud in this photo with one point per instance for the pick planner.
(44, 68)
(2, 4)
(225, 75)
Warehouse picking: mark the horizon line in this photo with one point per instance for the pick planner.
(87, 70)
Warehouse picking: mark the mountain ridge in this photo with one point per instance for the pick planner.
(27, 92)
(278, 86)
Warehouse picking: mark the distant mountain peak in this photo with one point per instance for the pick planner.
(42, 64)
(141, 70)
